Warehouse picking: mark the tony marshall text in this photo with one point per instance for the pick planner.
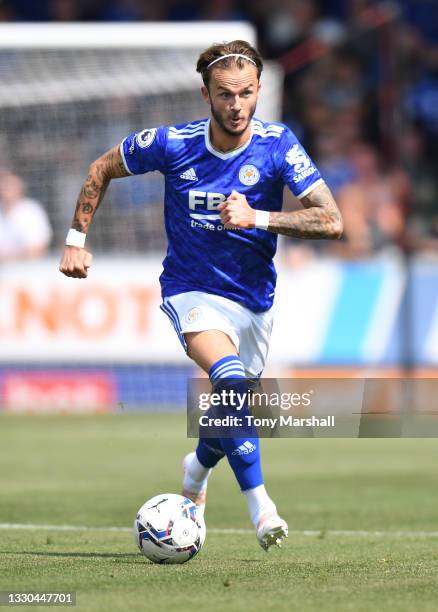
(272, 422)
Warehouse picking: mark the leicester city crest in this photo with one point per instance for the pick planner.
(193, 315)
(249, 175)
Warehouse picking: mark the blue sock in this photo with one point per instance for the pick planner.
(241, 444)
(209, 451)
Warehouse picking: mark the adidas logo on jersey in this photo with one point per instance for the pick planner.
(245, 448)
(189, 175)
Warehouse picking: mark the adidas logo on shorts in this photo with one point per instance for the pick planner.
(244, 449)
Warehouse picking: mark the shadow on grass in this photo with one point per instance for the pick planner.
(120, 558)
(78, 554)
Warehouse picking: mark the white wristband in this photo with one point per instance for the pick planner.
(75, 238)
(262, 219)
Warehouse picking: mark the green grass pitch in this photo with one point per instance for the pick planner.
(363, 516)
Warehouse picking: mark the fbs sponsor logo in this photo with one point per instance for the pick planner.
(244, 449)
(208, 201)
(249, 175)
(300, 162)
(146, 138)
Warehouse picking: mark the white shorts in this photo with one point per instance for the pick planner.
(250, 332)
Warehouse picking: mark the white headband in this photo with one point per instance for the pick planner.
(231, 55)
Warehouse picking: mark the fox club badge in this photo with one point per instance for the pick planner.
(193, 315)
(249, 175)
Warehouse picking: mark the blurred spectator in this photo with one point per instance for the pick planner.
(287, 23)
(331, 97)
(423, 14)
(23, 10)
(64, 10)
(421, 169)
(372, 205)
(184, 10)
(7, 11)
(25, 231)
(335, 166)
(220, 10)
(422, 102)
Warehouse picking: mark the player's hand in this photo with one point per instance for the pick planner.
(75, 262)
(236, 212)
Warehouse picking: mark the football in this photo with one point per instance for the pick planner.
(169, 528)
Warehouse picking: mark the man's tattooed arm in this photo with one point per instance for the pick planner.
(320, 219)
(101, 171)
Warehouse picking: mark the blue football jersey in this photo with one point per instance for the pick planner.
(202, 255)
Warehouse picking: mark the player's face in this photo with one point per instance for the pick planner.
(232, 95)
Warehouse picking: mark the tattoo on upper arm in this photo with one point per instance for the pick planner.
(319, 219)
(115, 167)
(320, 197)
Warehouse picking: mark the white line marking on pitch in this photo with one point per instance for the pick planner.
(304, 532)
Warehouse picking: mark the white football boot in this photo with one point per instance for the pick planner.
(271, 530)
(199, 498)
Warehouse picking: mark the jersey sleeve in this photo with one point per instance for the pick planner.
(294, 165)
(145, 151)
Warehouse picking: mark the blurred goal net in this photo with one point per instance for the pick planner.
(70, 92)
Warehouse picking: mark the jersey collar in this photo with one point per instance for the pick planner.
(219, 154)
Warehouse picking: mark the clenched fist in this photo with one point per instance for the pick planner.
(75, 262)
(236, 212)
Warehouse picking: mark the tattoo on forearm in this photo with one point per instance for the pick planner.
(320, 219)
(107, 167)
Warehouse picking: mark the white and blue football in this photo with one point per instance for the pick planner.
(169, 528)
